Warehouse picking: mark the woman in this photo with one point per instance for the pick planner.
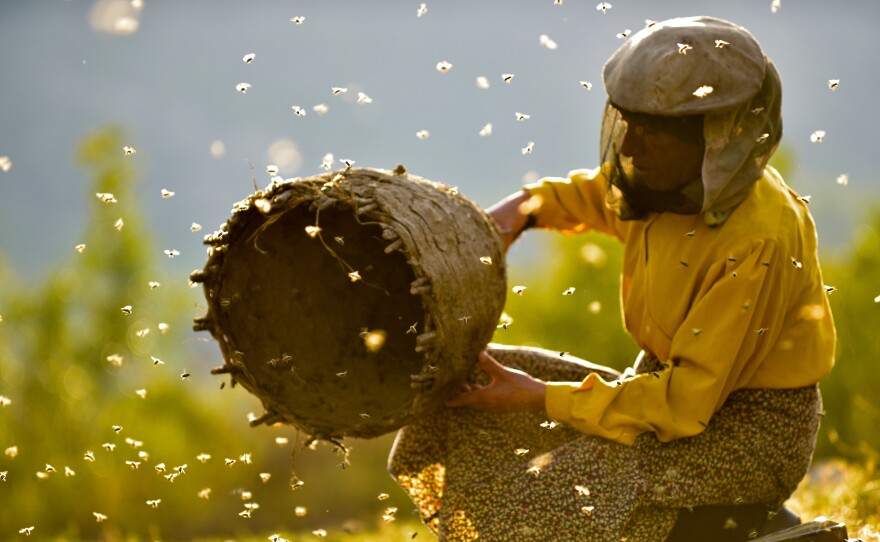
(721, 288)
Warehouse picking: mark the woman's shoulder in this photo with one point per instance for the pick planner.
(772, 211)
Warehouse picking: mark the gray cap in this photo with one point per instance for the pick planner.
(660, 68)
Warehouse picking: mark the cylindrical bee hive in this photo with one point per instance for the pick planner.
(352, 302)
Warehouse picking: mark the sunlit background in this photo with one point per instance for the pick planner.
(206, 94)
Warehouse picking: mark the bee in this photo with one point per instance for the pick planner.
(703, 91)
(546, 42)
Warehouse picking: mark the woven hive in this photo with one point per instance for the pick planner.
(352, 302)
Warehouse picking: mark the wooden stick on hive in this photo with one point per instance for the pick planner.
(352, 302)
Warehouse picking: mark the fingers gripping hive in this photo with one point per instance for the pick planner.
(352, 302)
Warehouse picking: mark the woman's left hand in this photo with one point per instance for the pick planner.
(508, 390)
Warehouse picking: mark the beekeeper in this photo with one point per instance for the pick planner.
(721, 289)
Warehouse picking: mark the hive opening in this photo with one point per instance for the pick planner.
(347, 343)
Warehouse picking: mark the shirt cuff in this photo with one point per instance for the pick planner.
(559, 399)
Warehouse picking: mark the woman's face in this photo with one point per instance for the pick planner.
(666, 152)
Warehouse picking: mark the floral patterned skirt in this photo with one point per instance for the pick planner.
(513, 476)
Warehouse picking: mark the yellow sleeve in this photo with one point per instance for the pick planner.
(574, 204)
(733, 323)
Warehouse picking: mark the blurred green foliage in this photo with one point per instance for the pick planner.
(66, 397)
(55, 340)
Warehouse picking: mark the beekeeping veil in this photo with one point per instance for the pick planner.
(693, 66)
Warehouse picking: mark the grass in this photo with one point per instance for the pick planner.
(844, 492)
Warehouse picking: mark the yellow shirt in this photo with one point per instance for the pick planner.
(740, 305)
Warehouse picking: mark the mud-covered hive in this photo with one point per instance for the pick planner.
(352, 302)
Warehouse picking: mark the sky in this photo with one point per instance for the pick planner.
(169, 80)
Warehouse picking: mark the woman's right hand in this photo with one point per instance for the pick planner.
(509, 218)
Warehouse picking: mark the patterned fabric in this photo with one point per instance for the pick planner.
(514, 476)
